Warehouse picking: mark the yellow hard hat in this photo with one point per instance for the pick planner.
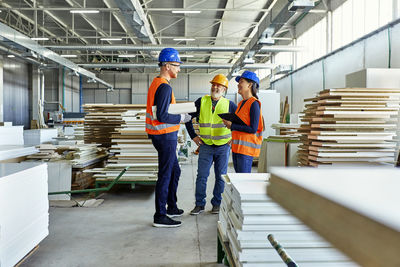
(220, 79)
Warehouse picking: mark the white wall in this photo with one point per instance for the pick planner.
(16, 92)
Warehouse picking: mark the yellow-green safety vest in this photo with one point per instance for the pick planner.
(212, 129)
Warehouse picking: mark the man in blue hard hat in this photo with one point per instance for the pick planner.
(163, 132)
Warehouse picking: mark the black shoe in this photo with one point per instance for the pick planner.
(197, 210)
(166, 222)
(215, 210)
(175, 213)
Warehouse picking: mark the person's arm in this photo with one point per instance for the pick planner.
(189, 124)
(254, 120)
(162, 99)
(232, 107)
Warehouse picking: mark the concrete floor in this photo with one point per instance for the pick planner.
(119, 232)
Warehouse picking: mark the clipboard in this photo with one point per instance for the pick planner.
(231, 117)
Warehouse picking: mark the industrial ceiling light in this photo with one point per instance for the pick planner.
(235, 73)
(127, 55)
(186, 11)
(301, 5)
(184, 39)
(110, 39)
(183, 56)
(84, 11)
(39, 38)
(10, 56)
(73, 73)
(69, 56)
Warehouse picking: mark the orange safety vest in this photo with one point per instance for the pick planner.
(247, 143)
(154, 126)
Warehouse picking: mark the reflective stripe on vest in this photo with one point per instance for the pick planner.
(247, 143)
(212, 129)
(154, 126)
(215, 137)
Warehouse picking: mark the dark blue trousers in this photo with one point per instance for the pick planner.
(168, 176)
(242, 163)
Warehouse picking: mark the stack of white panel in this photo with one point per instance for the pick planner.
(11, 135)
(39, 136)
(78, 132)
(12, 142)
(12, 152)
(248, 216)
(24, 216)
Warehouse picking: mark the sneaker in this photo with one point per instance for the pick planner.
(166, 222)
(197, 210)
(215, 210)
(175, 213)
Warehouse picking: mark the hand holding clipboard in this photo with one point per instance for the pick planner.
(232, 117)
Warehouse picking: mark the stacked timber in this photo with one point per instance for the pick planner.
(79, 132)
(80, 155)
(130, 147)
(350, 126)
(353, 208)
(286, 130)
(248, 215)
(47, 152)
(104, 120)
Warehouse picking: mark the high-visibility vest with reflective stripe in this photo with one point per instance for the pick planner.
(153, 126)
(247, 143)
(212, 129)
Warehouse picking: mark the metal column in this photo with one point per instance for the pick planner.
(1, 89)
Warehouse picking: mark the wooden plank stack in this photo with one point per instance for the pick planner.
(350, 126)
(80, 155)
(356, 209)
(248, 215)
(131, 147)
(103, 120)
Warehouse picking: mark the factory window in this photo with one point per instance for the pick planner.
(355, 18)
(262, 73)
(283, 58)
(314, 42)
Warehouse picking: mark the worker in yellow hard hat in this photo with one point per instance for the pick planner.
(213, 141)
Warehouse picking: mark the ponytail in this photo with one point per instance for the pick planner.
(254, 89)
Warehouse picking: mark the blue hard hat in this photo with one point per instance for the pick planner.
(169, 55)
(250, 76)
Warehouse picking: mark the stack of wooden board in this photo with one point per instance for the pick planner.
(350, 126)
(286, 130)
(103, 120)
(131, 147)
(356, 209)
(248, 215)
(80, 155)
(47, 152)
(24, 217)
(79, 132)
(131, 143)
